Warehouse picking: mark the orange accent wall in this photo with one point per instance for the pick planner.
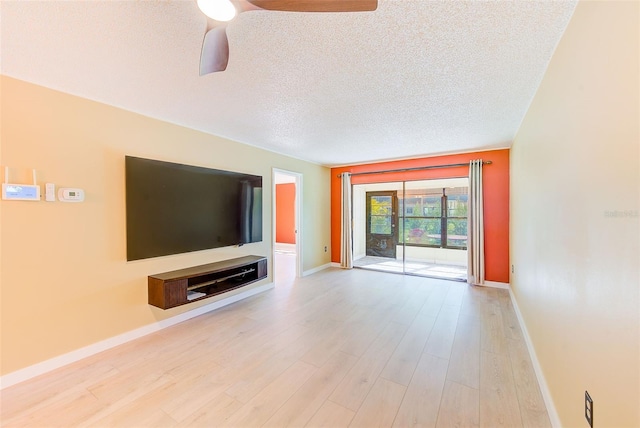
(495, 189)
(286, 213)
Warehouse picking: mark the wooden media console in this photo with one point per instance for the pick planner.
(178, 287)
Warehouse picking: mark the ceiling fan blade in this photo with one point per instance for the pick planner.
(317, 5)
(245, 6)
(215, 51)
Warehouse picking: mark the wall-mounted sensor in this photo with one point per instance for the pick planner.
(50, 192)
(68, 194)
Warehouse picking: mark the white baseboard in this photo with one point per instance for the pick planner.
(87, 351)
(544, 388)
(494, 284)
(335, 264)
(316, 269)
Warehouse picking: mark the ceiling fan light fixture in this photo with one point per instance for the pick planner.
(219, 10)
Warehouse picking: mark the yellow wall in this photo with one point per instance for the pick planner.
(64, 276)
(574, 217)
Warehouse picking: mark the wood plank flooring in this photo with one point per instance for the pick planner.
(337, 348)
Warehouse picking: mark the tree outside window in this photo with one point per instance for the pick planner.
(435, 218)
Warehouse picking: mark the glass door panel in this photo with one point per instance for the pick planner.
(433, 227)
(381, 224)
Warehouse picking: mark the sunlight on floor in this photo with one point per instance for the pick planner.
(435, 270)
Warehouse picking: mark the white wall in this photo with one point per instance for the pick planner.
(574, 163)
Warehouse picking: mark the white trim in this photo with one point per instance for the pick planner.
(335, 264)
(87, 351)
(494, 284)
(537, 368)
(319, 268)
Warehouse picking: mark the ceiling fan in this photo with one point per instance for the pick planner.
(215, 46)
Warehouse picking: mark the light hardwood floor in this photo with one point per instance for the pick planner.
(337, 348)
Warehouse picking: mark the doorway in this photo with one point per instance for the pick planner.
(287, 197)
(412, 227)
(382, 221)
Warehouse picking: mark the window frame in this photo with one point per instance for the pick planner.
(444, 221)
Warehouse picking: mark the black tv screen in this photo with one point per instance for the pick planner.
(174, 208)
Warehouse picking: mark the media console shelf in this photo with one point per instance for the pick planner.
(175, 288)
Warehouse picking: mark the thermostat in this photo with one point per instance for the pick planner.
(68, 194)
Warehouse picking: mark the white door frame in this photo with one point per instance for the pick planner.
(298, 216)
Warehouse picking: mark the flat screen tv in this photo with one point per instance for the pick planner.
(174, 208)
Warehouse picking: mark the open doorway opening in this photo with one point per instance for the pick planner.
(412, 227)
(287, 197)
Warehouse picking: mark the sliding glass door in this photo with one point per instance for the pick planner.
(412, 227)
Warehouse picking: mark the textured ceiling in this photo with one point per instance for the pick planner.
(412, 78)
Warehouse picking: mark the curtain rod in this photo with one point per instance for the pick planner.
(419, 168)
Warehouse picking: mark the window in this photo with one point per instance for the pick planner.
(434, 218)
(381, 215)
(456, 216)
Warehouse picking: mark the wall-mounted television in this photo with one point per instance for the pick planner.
(173, 208)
